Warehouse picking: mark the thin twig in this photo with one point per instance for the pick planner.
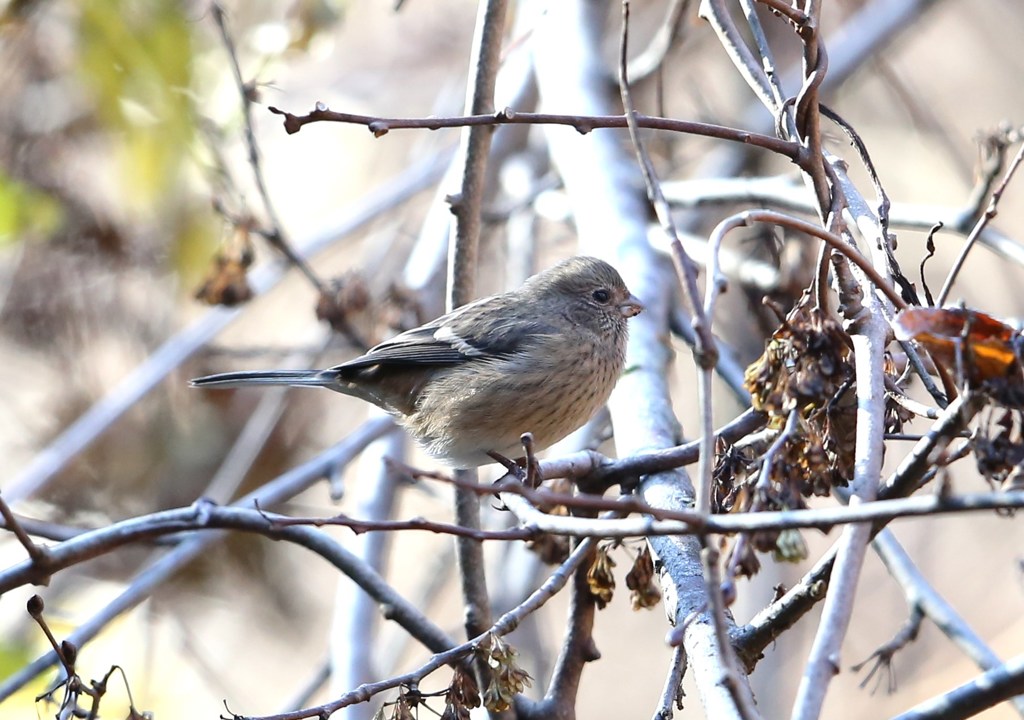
(462, 265)
(973, 697)
(985, 219)
(920, 594)
(882, 658)
(792, 13)
(884, 205)
(728, 368)
(652, 59)
(361, 526)
(672, 694)
(662, 522)
(85, 546)
(578, 649)
(582, 123)
(992, 149)
(626, 471)
(705, 350)
(504, 625)
(36, 554)
(762, 488)
(525, 502)
(734, 678)
(808, 116)
(749, 217)
(276, 236)
(913, 468)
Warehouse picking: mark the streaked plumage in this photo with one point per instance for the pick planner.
(542, 359)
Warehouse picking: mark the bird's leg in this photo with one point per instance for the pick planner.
(527, 468)
(533, 477)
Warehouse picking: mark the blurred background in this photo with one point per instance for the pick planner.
(124, 174)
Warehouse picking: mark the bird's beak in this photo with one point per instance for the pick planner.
(631, 307)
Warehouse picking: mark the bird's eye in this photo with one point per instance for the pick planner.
(601, 295)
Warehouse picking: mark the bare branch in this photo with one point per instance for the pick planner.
(89, 544)
(971, 698)
(582, 123)
(990, 212)
(749, 67)
(277, 236)
(504, 625)
(672, 695)
(462, 266)
(869, 329)
(922, 595)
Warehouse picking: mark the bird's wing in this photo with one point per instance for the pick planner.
(484, 329)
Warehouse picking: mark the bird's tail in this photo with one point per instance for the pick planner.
(299, 378)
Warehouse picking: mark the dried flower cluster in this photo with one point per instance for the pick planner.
(999, 449)
(806, 369)
(462, 696)
(346, 297)
(643, 590)
(601, 578)
(804, 382)
(507, 678)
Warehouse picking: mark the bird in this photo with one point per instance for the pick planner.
(540, 359)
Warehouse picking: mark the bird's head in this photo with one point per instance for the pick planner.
(590, 291)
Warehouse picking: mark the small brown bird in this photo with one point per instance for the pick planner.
(540, 359)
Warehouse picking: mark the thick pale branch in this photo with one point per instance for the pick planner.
(602, 182)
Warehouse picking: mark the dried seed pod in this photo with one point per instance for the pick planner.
(600, 577)
(643, 591)
(462, 696)
(507, 678)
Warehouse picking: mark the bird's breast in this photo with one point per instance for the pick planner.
(549, 390)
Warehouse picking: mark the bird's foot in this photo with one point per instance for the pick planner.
(527, 468)
(513, 466)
